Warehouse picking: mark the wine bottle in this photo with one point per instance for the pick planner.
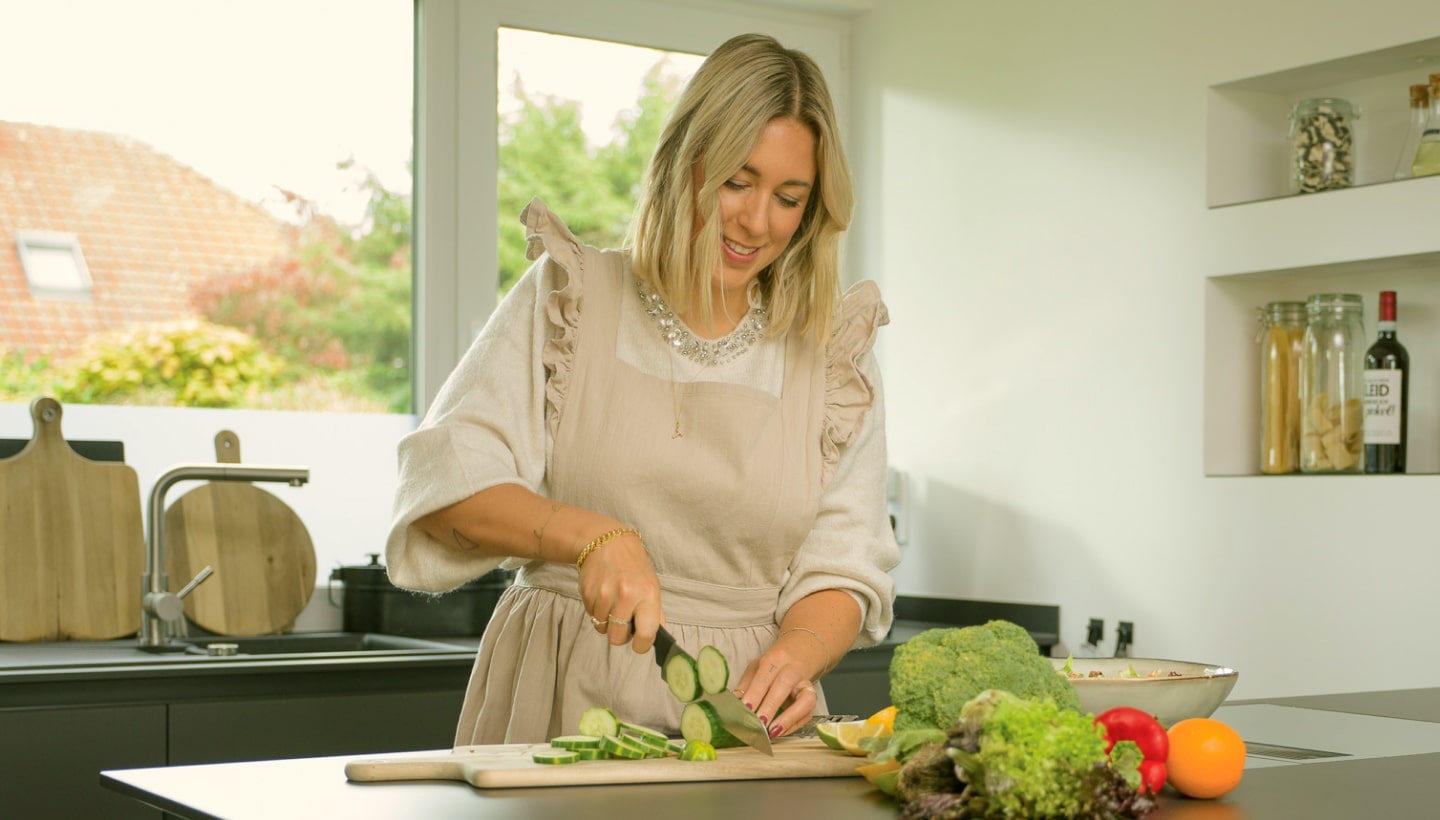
(1387, 395)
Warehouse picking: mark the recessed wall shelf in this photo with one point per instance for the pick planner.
(1269, 245)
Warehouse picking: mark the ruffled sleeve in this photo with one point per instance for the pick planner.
(849, 392)
(852, 546)
(546, 235)
(489, 423)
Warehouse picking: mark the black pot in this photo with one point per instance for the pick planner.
(373, 604)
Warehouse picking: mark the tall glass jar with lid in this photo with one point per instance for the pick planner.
(1332, 377)
(1282, 340)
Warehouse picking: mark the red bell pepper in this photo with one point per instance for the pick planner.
(1129, 723)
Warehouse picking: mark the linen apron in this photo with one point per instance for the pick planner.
(723, 510)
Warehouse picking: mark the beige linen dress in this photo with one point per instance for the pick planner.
(774, 490)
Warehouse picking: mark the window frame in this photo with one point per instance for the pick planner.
(27, 242)
(456, 170)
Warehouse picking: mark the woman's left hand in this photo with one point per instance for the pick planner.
(779, 688)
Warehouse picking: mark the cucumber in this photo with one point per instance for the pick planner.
(698, 750)
(712, 670)
(599, 721)
(590, 754)
(680, 675)
(574, 742)
(644, 734)
(554, 756)
(698, 721)
(616, 746)
(675, 747)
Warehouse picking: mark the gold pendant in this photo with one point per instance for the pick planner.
(678, 434)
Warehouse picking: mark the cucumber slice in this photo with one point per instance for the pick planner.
(699, 721)
(599, 721)
(573, 742)
(712, 669)
(698, 750)
(619, 747)
(590, 754)
(675, 747)
(681, 677)
(643, 733)
(554, 756)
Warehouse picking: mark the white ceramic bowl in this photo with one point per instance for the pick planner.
(1197, 691)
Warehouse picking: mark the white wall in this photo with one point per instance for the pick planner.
(1032, 202)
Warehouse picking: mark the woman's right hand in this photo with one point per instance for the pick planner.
(620, 590)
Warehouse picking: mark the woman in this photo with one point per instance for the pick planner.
(688, 432)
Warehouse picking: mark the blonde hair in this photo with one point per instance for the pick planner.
(741, 87)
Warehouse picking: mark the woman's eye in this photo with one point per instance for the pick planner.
(788, 202)
(734, 185)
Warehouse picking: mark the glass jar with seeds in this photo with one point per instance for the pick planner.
(1322, 138)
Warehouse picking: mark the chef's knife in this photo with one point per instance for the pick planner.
(737, 720)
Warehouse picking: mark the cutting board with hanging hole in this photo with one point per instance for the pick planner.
(262, 554)
(510, 766)
(72, 540)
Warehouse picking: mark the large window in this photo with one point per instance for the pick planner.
(283, 131)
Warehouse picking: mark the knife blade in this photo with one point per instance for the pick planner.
(737, 720)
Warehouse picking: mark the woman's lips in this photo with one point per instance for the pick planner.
(739, 253)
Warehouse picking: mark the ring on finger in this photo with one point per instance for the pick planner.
(805, 686)
(596, 621)
(614, 620)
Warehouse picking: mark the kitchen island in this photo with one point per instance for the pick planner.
(1363, 787)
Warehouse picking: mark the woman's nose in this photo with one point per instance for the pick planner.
(754, 216)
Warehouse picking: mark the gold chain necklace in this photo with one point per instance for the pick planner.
(677, 401)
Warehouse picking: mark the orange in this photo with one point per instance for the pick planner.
(885, 719)
(1207, 758)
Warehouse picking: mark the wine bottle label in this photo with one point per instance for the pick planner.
(1382, 406)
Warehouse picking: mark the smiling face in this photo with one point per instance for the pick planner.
(761, 205)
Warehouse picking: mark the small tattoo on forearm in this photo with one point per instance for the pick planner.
(540, 533)
(462, 542)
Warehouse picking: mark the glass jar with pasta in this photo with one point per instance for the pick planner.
(1332, 378)
(1282, 340)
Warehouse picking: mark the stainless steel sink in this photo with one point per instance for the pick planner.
(309, 643)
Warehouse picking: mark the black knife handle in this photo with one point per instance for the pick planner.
(664, 642)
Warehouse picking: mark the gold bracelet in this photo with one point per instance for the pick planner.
(600, 542)
(824, 647)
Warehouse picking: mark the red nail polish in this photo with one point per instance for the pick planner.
(750, 707)
(764, 720)
(776, 730)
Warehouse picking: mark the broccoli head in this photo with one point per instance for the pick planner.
(934, 674)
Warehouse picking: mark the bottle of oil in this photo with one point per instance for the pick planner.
(1427, 154)
(1419, 113)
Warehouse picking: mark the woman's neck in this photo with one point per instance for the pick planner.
(727, 310)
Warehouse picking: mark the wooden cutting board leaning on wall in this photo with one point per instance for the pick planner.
(262, 554)
(72, 540)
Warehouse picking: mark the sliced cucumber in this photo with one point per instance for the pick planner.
(675, 747)
(574, 742)
(698, 750)
(619, 747)
(599, 721)
(712, 669)
(698, 721)
(681, 677)
(554, 756)
(590, 754)
(643, 734)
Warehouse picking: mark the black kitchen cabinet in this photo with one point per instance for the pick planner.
(271, 728)
(51, 759)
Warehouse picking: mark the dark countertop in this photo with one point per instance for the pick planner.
(274, 790)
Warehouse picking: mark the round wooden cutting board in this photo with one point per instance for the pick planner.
(262, 554)
(72, 541)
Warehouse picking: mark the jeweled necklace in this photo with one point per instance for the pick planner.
(703, 351)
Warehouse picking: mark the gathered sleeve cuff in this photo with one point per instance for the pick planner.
(488, 424)
(852, 545)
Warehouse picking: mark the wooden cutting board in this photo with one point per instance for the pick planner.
(510, 767)
(72, 540)
(262, 554)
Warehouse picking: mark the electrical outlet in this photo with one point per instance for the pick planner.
(897, 493)
(1124, 637)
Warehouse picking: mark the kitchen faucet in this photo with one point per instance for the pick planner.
(159, 607)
